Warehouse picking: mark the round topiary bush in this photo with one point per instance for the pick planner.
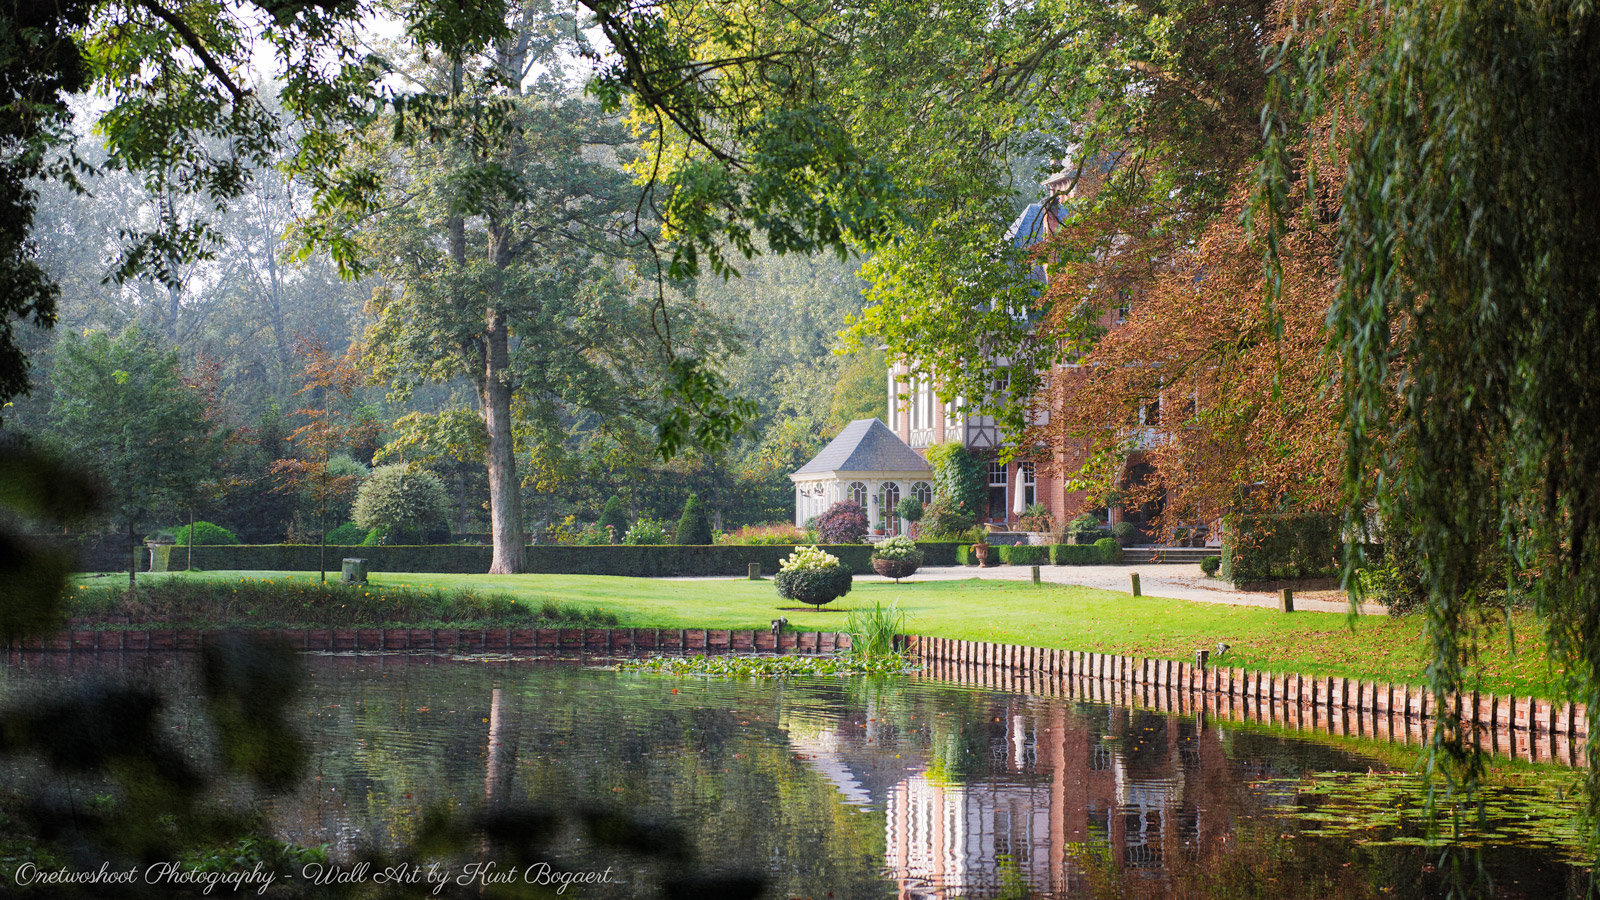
(910, 509)
(1210, 565)
(812, 576)
(204, 533)
(845, 522)
(406, 505)
(1110, 550)
(1124, 531)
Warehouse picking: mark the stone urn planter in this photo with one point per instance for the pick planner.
(894, 568)
(981, 551)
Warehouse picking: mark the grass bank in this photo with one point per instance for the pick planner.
(1048, 615)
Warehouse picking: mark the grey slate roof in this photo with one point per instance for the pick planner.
(1028, 229)
(865, 445)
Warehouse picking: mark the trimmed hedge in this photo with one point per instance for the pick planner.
(646, 561)
(1257, 548)
(1024, 554)
(1096, 554)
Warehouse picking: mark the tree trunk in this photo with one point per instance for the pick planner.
(505, 508)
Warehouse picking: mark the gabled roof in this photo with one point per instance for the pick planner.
(865, 445)
(1029, 227)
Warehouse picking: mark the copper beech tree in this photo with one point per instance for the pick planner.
(330, 428)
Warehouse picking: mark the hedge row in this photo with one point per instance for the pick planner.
(1102, 553)
(547, 559)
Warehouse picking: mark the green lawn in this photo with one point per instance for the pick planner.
(1048, 615)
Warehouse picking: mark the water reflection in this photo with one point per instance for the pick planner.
(906, 788)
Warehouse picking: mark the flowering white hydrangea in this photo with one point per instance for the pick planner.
(897, 548)
(812, 557)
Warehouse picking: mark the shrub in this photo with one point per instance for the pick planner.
(646, 531)
(204, 533)
(1257, 547)
(1110, 550)
(910, 509)
(1210, 565)
(593, 536)
(845, 522)
(1036, 518)
(776, 534)
(1076, 555)
(947, 518)
(347, 535)
(898, 549)
(1024, 554)
(1084, 523)
(812, 576)
(693, 526)
(613, 516)
(409, 504)
(1124, 530)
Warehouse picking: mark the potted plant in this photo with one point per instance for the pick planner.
(897, 558)
(812, 576)
(1037, 519)
(980, 547)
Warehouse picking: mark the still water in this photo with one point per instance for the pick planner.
(883, 787)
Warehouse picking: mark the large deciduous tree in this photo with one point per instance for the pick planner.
(505, 240)
(122, 408)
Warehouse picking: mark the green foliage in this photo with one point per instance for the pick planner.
(407, 503)
(288, 602)
(121, 407)
(614, 517)
(947, 519)
(1210, 565)
(873, 631)
(1084, 523)
(693, 526)
(909, 508)
(36, 492)
(204, 533)
(814, 586)
(349, 534)
(844, 522)
(1102, 552)
(1036, 517)
(1271, 547)
(958, 477)
(1124, 530)
(1023, 554)
(646, 531)
(780, 533)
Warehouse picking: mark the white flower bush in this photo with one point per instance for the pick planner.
(812, 557)
(899, 549)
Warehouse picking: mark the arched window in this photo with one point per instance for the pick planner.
(922, 491)
(857, 492)
(888, 497)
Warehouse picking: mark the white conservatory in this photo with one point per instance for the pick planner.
(866, 463)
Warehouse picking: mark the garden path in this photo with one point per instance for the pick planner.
(1175, 581)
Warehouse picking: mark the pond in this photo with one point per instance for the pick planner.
(875, 787)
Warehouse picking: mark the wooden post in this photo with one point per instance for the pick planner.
(1285, 600)
(1136, 591)
(1035, 574)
